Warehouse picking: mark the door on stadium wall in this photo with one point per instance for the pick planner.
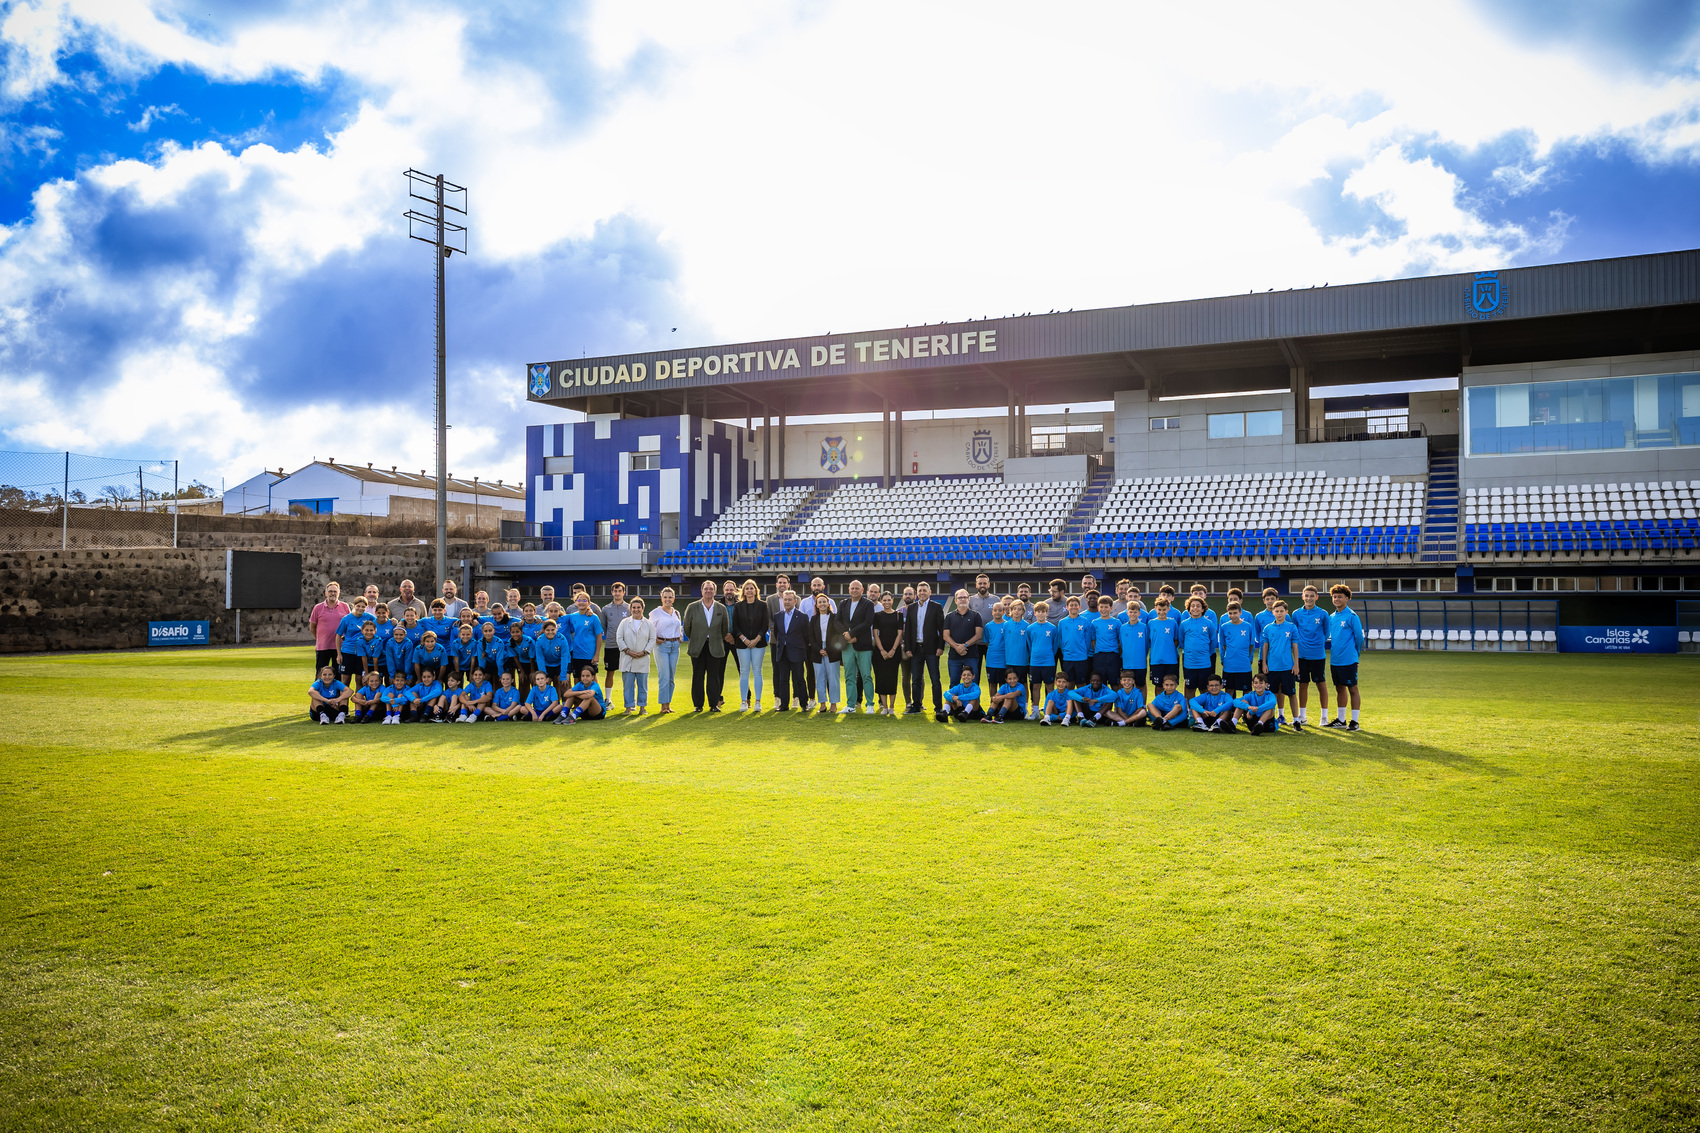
(669, 531)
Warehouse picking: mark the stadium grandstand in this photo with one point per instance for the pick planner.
(1509, 452)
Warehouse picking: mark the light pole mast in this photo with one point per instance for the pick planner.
(447, 237)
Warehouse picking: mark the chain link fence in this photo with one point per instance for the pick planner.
(68, 499)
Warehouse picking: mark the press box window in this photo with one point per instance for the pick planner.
(644, 461)
(1158, 423)
(1225, 426)
(557, 466)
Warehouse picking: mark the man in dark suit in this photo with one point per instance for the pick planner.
(707, 628)
(923, 636)
(790, 652)
(857, 613)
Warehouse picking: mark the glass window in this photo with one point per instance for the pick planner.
(1588, 415)
(1264, 423)
(1221, 426)
(1158, 423)
(557, 466)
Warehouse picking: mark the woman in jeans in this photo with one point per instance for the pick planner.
(636, 640)
(751, 620)
(669, 628)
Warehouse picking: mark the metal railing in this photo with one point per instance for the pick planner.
(1355, 431)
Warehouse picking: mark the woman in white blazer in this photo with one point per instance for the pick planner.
(636, 639)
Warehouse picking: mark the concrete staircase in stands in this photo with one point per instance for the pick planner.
(1440, 521)
(1052, 556)
(746, 563)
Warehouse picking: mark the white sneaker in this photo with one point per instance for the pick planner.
(846, 710)
(1065, 722)
(342, 717)
(324, 717)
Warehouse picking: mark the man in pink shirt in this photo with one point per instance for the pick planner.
(323, 621)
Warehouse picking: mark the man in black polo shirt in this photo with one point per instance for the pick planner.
(964, 630)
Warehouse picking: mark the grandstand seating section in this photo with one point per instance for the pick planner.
(1582, 520)
(739, 530)
(1265, 516)
(981, 521)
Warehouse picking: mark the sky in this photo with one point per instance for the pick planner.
(202, 251)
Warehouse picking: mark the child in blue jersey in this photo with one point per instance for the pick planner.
(1213, 709)
(366, 706)
(1197, 635)
(1041, 656)
(438, 622)
(529, 620)
(584, 633)
(492, 649)
(381, 621)
(429, 654)
(351, 664)
(1346, 640)
(410, 624)
(1168, 707)
(1164, 630)
(1129, 707)
(549, 654)
(584, 701)
(993, 635)
(1238, 638)
(961, 700)
(1256, 709)
(475, 697)
(1096, 700)
(1267, 614)
(1015, 640)
(395, 698)
(543, 704)
(430, 699)
(1076, 649)
(395, 657)
(506, 703)
(327, 697)
(370, 647)
(1311, 622)
(1280, 652)
(517, 656)
(1061, 705)
(451, 696)
(463, 651)
(1133, 637)
(1107, 642)
(1009, 700)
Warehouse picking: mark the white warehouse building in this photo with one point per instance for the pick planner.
(325, 487)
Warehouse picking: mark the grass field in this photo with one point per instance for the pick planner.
(1480, 913)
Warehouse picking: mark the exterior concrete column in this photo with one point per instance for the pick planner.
(767, 454)
(885, 442)
(779, 480)
(897, 440)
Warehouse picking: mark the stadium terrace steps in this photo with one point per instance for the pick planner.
(1085, 512)
(740, 533)
(1440, 523)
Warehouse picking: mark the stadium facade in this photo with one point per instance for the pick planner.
(1241, 445)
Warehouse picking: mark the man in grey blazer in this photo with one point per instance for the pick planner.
(707, 629)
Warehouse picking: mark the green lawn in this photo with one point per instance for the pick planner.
(1480, 913)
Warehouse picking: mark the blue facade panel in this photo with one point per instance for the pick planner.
(704, 467)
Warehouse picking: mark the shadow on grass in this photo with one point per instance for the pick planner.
(733, 730)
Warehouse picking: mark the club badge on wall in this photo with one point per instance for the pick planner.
(982, 451)
(834, 456)
(1487, 296)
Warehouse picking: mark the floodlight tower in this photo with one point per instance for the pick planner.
(448, 237)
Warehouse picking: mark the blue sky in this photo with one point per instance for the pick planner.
(202, 251)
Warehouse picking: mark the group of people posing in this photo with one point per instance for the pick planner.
(1089, 659)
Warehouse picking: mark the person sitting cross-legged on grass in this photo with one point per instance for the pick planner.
(1129, 705)
(584, 701)
(542, 705)
(430, 698)
(475, 697)
(451, 697)
(1009, 700)
(327, 697)
(1256, 709)
(1062, 704)
(505, 702)
(367, 704)
(1168, 708)
(396, 698)
(962, 699)
(1096, 700)
(1212, 709)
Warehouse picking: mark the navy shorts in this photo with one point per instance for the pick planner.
(1158, 672)
(1020, 672)
(1310, 672)
(1236, 682)
(1045, 674)
(1198, 678)
(580, 662)
(1108, 666)
(1282, 683)
(1345, 676)
(553, 672)
(1138, 676)
(1079, 672)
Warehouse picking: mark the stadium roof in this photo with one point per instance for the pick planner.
(1394, 330)
(426, 480)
